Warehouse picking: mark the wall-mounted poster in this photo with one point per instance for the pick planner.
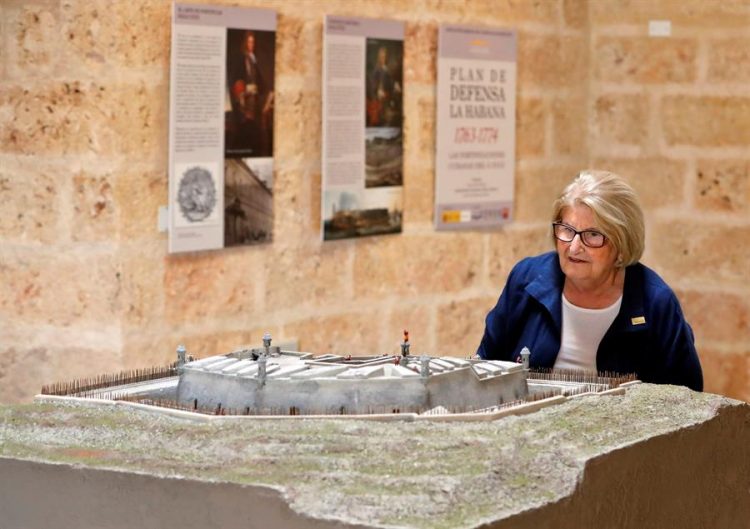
(221, 127)
(476, 127)
(363, 148)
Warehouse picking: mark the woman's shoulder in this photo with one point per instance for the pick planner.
(528, 269)
(536, 263)
(654, 287)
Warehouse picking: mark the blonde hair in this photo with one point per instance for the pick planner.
(615, 207)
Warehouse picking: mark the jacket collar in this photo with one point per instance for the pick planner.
(547, 288)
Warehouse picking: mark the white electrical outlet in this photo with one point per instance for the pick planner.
(162, 220)
(660, 28)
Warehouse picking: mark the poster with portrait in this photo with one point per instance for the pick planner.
(363, 153)
(221, 127)
(476, 124)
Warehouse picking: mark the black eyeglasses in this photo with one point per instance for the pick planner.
(590, 238)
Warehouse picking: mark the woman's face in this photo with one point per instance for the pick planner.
(585, 266)
(250, 44)
(382, 56)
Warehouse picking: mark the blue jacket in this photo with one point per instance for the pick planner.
(649, 336)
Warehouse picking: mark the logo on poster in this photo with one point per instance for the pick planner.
(196, 194)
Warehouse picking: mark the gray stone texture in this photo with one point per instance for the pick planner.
(657, 456)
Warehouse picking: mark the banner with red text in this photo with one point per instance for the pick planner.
(476, 127)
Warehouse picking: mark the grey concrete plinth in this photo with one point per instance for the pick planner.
(657, 456)
(44, 496)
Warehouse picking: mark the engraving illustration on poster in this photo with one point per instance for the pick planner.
(476, 127)
(362, 127)
(221, 127)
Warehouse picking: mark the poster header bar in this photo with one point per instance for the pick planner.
(471, 42)
(365, 27)
(224, 16)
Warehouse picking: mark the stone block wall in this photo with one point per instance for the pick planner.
(87, 286)
(673, 115)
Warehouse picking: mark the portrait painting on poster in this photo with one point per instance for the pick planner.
(221, 127)
(475, 137)
(362, 127)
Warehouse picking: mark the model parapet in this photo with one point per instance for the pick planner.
(270, 381)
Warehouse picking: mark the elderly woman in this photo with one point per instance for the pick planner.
(592, 305)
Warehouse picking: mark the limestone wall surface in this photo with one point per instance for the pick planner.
(87, 286)
(673, 115)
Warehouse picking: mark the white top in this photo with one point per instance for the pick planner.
(582, 331)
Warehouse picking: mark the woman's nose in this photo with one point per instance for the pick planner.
(576, 245)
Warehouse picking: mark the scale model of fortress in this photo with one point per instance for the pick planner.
(268, 380)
